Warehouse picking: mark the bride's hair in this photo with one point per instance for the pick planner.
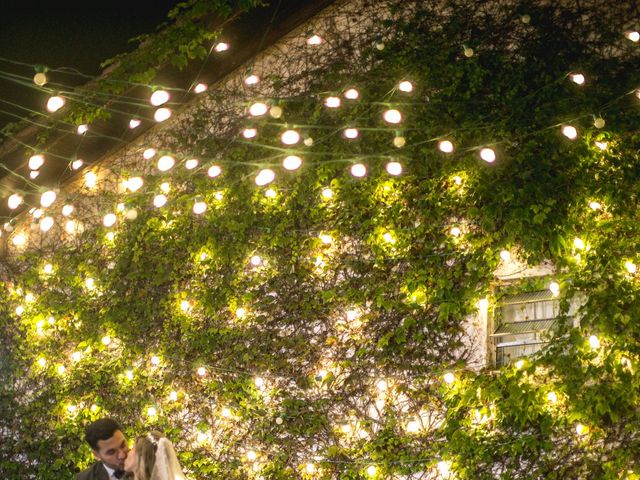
(146, 448)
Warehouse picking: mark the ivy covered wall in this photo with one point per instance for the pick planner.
(312, 325)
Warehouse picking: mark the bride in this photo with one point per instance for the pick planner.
(153, 458)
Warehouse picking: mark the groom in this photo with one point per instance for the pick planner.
(110, 448)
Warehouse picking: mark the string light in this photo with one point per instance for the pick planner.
(351, 133)
(221, 47)
(55, 103)
(159, 97)
(201, 371)
(372, 470)
(570, 132)
(488, 155)
(47, 198)
(191, 164)
(214, 171)
(200, 88)
(577, 78)
(14, 201)
(290, 137)
(552, 397)
(392, 116)
(449, 378)
(505, 255)
(358, 170)
(275, 112)
(594, 342)
(595, 205)
(82, 129)
(249, 133)
(314, 40)
(149, 153)
(19, 240)
(46, 224)
(109, 220)
(33, 174)
(36, 161)
(455, 231)
(162, 114)
(166, 162)
(394, 168)
(445, 146)
(265, 177)
(554, 288)
(106, 340)
(633, 36)
(134, 183)
(252, 80)
(76, 164)
(292, 162)
(630, 266)
(40, 79)
(332, 102)
(327, 193)
(134, 123)
(165, 187)
(405, 86)
(258, 109)
(351, 94)
(578, 243)
(159, 200)
(599, 122)
(199, 207)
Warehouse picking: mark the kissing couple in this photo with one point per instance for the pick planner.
(152, 456)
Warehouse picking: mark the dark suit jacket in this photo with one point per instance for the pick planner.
(98, 472)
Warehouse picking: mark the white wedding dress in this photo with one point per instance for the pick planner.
(167, 466)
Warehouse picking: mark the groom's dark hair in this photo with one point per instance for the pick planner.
(102, 429)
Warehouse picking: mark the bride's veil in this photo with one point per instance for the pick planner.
(167, 466)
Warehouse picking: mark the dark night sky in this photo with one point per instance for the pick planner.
(73, 34)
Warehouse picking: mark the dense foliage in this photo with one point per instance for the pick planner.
(325, 323)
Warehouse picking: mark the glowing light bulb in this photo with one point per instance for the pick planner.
(200, 88)
(570, 132)
(314, 40)
(19, 240)
(581, 429)
(292, 162)
(445, 146)
(372, 470)
(290, 137)
(159, 200)
(595, 205)
(405, 86)
(37, 213)
(40, 79)
(256, 261)
(155, 360)
(327, 193)
(36, 161)
(275, 111)
(165, 187)
(33, 174)
(552, 397)
(326, 239)
(55, 103)
(352, 315)
(226, 413)
(135, 183)
(76, 356)
(633, 36)
(82, 129)
(241, 312)
(152, 412)
(265, 176)
(214, 171)
(252, 80)
(456, 232)
(67, 210)
(351, 94)
(389, 238)
(109, 220)
(602, 145)
(47, 198)
(578, 243)
(413, 426)
(630, 266)
(221, 47)
(191, 164)
(185, 305)
(488, 155)
(332, 102)
(14, 201)
(47, 269)
(134, 123)
(219, 195)
(505, 255)
(382, 385)
(71, 408)
(199, 208)
(90, 179)
(577, 78)
(554, 288)
(594, 342)
(351, 133)
(394, 168)
(392, 116)
(399, 141)
(519, 364)
(159, 97)
(249, 133)
(61, 369)
(358, 170)
(310, 468)
(106, 340)
(76, 164)
(449, 378)
(46, 224)
(258, 109)
(444, 468)
(251, 456)
(19, 310)
(162, 114)
(173, 396)
(270, 193)
(166, 162)
(201, 371)
(599, 122)
(149, 153)
(259, 382)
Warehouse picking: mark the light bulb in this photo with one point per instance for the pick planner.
(595, 205)
(552, 397)
(394, 168)
(445, 146)
(90, 179)
(309, 468)
(36, 161)
(456, 232)
(162, 114)
(449, 378)
(594, 342)
(570, 132)
(405, 86)
(149, 153)
(109, 220)
(332, 102)
(33, 174)
(352, 315)
(392, 116)
(554, 288)
(14, 201)
(201, 371)
(40, 79)
(519, 364)
(372, 470)
(382, 385)
(135, 183)
(241, 312)
(76, 356)
(577, 78)
(214, 171)
(599, 122)
(19, 240)
(159, 200)
(61, 369)
(221, 47)
(47, 198)
(275, 111)
(152, 412)
(67, 210)
(106, 340)
(358, 170)
(630, 266)
(292, 162)
(47, 269)
(76, 164)
(290, 137)
(399, 142)
(251, 456)
(166, 162)
(326, 239)
(249, 133)
(55, 103)
(314, 40)
(327, 194)
(468, 52)
(578, 243)
(37, 213)
(258, 109)
(155, 360)
(159, 97)
(488, 155)
(185, 305)
(602, 145)
(265, 177)
(173, 396)
(199, 208)
(259, 382)
(165, 187)
(389, 238)
(19, 310)
(134, 123)
(413, 426)
(200, 88)
(46, 223)
(226, 413)
(270, 193)
(351, 133)
(191, 164)
(633, 36)
(581, 429)
(255, 260)
(351, 94)
(82, 129)
(252, 80)
(505, 255)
